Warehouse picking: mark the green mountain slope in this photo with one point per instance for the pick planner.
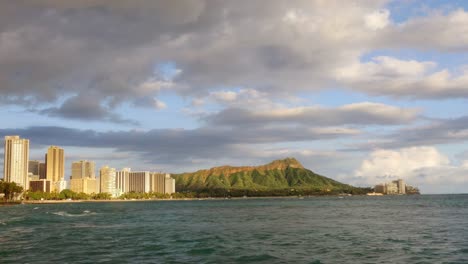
(277, 175)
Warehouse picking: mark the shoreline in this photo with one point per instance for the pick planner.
(176, 199)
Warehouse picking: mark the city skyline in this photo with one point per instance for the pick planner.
(360, 91)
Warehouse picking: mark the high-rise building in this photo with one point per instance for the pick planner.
(83, 169)
(139, 181)
(401, 186)
(33, 167)
(55, 165)
(122, 178)
(16, 159)
(107, 177)
(157, 182)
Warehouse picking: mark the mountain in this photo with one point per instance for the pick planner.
(282, 174)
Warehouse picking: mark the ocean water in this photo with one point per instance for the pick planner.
(398, 229)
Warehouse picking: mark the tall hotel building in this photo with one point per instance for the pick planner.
(108, 181)
(55, 166)
(83, 178)
(144, 181)
(16, 158)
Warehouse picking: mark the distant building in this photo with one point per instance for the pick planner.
(33, 167)
(42, 171)
(157, 182)
(169, 187)
(143, 181)
(39, 186)
(83, 169)
(379, 188)
(55, 165)
(85, 185)
(401, 186)
(139, 181)
(122, 180)
(393, 187)
(107, 177)
(16, 159)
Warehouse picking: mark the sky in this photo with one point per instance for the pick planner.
(363, 92)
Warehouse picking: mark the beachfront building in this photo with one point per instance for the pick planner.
(107, 177)
(139, 181)
(169, 184)
(84, 185)
(16, 159)
(83, 178)
(393, 187)
(121, 180)
(144, 181)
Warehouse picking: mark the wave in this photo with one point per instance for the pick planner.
(65, 214)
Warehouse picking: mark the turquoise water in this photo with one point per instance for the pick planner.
(399, 229)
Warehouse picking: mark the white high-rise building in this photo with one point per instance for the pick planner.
(108, 181)
(122, 180)
(16, 159)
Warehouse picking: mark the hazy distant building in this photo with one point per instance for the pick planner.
(55, 166)
(379, 188)
(16, 159)
(393, 187)
(83, 169)
(42, 171)
(39, 186)
(33, 167)
(401, 186)
(107, 177)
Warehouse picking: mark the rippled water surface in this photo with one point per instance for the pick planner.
(400, 229)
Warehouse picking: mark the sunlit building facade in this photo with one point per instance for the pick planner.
(16, 160)
(107, 178)
(55, 166)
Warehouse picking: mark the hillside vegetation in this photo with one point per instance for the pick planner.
(278, 175)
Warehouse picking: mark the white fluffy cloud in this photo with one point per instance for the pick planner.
(424, 167)
(404, 78)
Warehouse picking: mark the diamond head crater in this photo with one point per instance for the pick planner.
(286, 177)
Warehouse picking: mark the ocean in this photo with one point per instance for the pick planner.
(358, 229)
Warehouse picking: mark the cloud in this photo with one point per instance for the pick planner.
(404, 78)
(433, 31)
(423, 166)
(85, 107)
(377, 19)
(177, 145)
(364, 113)
(436, 132)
